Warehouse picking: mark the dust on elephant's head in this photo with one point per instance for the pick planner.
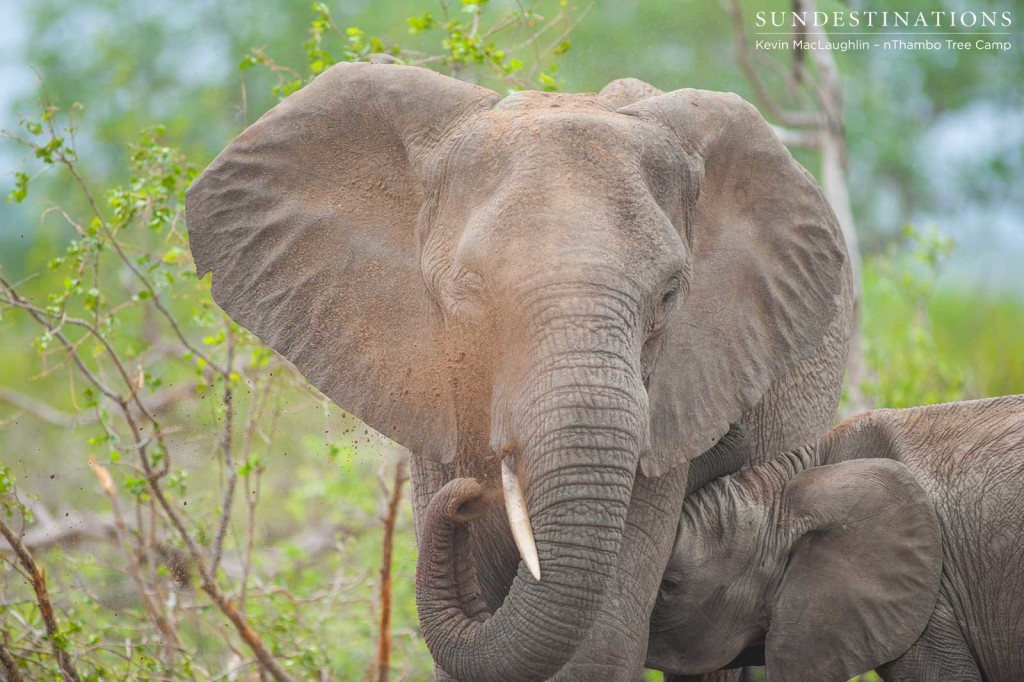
(587, 283)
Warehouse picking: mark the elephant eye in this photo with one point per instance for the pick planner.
(668, 585)
(468, 282)
(464, 290)
(669, 297)
(671, 293)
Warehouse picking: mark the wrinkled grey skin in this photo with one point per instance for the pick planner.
(593, 286)
(893, 542)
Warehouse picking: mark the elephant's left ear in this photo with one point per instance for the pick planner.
(768, 266)
(863, 576)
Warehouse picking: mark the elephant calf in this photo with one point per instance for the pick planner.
(895, 541)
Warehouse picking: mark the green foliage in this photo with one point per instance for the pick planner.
(465, 41)
(20, 191)
(11, 505)
(120, 308)
(903, 358)
(925, 343)
(760, 677)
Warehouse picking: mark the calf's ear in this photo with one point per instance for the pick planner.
(863, 575)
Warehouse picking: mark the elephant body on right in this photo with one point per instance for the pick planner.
(891, 543)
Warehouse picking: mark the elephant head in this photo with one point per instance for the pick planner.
(833, 569)
(550, 286)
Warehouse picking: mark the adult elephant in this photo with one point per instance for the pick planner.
(573, 295)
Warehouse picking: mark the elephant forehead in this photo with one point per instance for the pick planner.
(584, 155)
(533, 100)
(577, 133)
(565, 174)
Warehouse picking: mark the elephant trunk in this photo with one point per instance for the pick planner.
(580, 442)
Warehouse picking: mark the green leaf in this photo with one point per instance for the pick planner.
(20, 191)
(215, 339)
(175, 254)
(419, 24)
(47, 151)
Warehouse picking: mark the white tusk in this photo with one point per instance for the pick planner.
(519, 518)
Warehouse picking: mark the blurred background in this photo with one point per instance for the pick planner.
(154, 452)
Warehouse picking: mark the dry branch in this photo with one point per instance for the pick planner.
(383, 662)
(38, 579)
(9, 665)
(152, 606)
(741, 45)
(229, 458)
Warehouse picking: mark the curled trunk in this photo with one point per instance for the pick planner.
(580, 451)
(523, 640)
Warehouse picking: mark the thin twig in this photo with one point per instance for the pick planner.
(157, 403)
(69, 163)
(66, 532)
(210, 587)
(252, 492)
(163, 626)
(42, 317)
(229, 460)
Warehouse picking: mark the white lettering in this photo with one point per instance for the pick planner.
(993, 46)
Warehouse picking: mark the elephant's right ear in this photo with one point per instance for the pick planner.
(768, 260)
(308, 222)
(625, 91)
(863, 577)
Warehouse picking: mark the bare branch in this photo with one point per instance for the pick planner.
(164, 626)
(836, 187)
(209, 583)
(229, 460)
(741, 45)
(9, 665)
(43, 317)
(807, 139)
(67, 531)
(383, 663)
(38, 579)
(153, 476)
(69, 162)
(154, 404)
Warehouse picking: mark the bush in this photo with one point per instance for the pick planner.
(204, 532)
